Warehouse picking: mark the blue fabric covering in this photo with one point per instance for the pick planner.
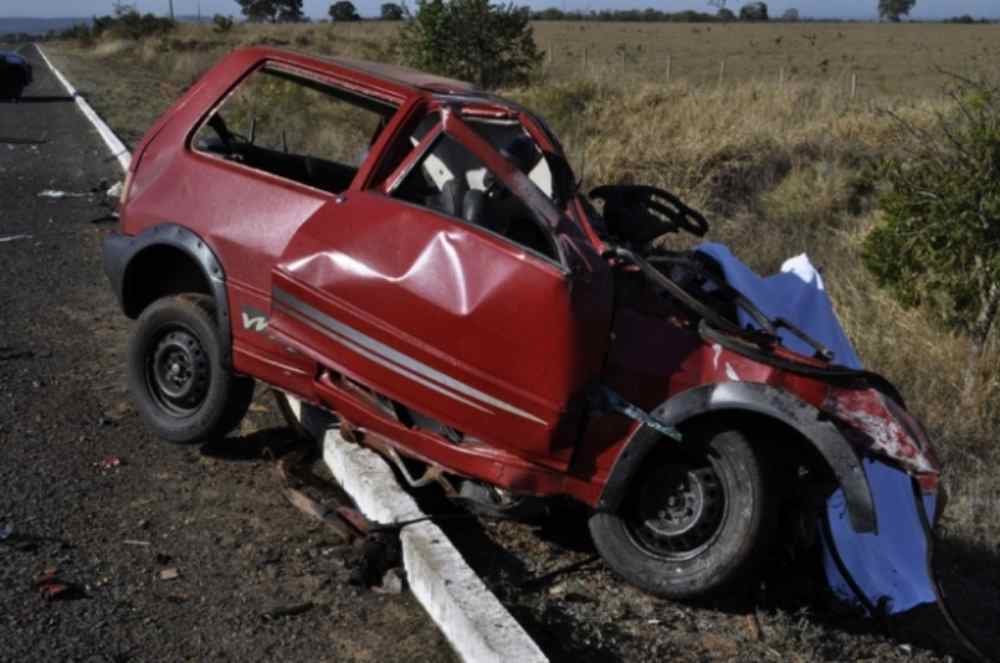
(890, 567)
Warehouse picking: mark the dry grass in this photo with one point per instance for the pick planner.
(887, 59)
(779, 167)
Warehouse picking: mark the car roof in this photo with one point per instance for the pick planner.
(399, 80)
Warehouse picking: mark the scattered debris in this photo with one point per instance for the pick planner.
(170, 573)
(6, 531)
(292, 471)
(392, 582)
(134, 542)
(754, 626)
(12, 238)
(288, 610)
(116, 190)
(52, 587)
(115, 413)
(109, 462)
(52, 193)
(370, 551)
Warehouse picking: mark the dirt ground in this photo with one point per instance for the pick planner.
(85, 489)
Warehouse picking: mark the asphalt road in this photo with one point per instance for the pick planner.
(85, 490)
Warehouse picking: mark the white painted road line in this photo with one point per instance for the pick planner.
(118, 149)
(476, 624)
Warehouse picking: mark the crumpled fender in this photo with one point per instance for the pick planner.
(762, 399)
(120, 252)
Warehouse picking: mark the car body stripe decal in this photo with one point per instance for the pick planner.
(395, 360)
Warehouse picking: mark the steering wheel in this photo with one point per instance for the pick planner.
(642, 213)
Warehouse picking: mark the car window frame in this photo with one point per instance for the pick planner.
(427, 143)
(293, 71)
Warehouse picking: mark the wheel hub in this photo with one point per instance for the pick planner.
(680, 509)
(179, 372)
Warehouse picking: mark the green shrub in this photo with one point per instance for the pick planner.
(344, 10)
(491, 45)
(223, 24)
(938, 241)
(130, 24)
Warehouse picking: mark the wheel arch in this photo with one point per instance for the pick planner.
(744, 399)
(164, 260)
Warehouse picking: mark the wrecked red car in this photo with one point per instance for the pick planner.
(414, 255)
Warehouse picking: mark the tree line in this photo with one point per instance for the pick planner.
(290, 11)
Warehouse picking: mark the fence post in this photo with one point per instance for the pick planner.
(781, 77)
(585, 60)
(669, 64)
(854, 84)
(722, 71)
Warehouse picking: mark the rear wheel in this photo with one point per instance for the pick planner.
(176, 375)
(697, 520)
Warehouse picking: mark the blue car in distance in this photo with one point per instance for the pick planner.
(15, 75)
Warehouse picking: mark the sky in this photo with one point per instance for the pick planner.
(859, 9)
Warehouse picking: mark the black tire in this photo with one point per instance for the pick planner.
(691, 547)
(176, 375)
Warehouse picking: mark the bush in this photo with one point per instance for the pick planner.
(754, 11)
(344, 10)
(78, 32)
(390, 11)
(474, 40)
(938, 241)
(223, 24)
(130, 24)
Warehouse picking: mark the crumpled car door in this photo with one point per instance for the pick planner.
(446, 319)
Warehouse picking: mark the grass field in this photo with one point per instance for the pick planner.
(776, 152)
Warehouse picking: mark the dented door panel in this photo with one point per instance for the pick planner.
(448, 320)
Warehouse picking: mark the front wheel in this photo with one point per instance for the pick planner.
(697, 519)
(176, 374)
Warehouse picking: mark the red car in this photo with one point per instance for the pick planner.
(413, 254)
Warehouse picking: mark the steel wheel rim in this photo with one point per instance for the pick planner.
(177, 371)
(679, 510)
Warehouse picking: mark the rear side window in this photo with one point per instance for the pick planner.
(295, 127)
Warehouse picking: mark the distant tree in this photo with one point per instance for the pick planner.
(344, 10)
(725, 15)
(550, 14)
(937, 242)
(271, 11)
(754, 11)
(223, 24)
(391, 12)
(472, 39)
(790, 15)
(893, 10)
(120, 8)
